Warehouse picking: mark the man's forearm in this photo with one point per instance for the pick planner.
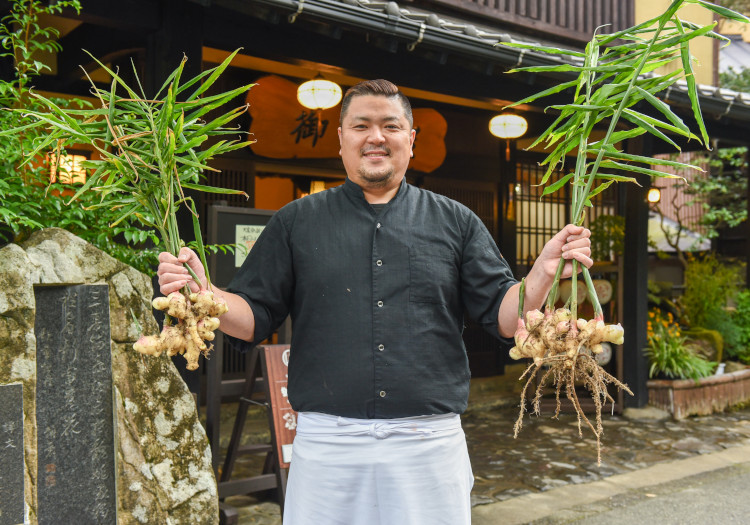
(239, 320)
(537, 288)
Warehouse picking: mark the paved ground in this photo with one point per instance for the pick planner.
(650, 468)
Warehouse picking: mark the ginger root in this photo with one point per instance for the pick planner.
(197, 319)
(564, 346)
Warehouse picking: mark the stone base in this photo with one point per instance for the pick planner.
(685, 397)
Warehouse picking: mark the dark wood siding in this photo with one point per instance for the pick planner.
(570, 19)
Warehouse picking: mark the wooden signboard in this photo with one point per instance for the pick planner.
(284, 129)
(275, 363)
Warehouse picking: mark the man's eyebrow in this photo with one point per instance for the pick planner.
(393, 118)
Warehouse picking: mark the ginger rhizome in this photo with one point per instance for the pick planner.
(562, 348)
(196, 316)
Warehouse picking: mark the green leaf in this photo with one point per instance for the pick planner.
(212, 189)
(215, 73)
(693, 90)
(640, 169)
(552, 188)
(616, 178)
(543, 49)
(722, 11)
(641, 120)
(649, 160)
(584, 107)
(619, 136)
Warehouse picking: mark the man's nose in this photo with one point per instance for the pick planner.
(376, 135)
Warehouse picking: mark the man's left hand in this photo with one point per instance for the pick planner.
(570, 243)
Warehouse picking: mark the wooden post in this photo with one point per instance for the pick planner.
(507, 215)
(635, 296)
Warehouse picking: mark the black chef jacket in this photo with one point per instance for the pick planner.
(376, 298)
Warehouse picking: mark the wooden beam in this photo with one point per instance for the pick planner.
(105, 43)
(131, 15)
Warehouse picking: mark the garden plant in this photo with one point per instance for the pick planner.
(670, 353)
(150, 150)
(615, 75)
(32, 197)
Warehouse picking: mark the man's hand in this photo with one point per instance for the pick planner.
(173, 275)
(570, 243)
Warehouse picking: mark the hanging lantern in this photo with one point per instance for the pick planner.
(319, 94)
(508, 126)
(654, 195)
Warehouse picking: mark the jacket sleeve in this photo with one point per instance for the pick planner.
(266, 281)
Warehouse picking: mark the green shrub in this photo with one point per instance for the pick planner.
(607, 237)
(709, 286)
(741, 318)
(712, 337)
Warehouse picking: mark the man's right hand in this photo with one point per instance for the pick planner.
(173, 275)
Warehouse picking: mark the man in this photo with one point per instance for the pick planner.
(376, 275)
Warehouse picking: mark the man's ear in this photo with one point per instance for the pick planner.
(340, 143)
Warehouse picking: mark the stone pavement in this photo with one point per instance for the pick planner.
(549, 474)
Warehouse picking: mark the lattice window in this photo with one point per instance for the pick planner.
(539, 218)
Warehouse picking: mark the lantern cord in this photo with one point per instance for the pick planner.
(422, 27)
(300, 7)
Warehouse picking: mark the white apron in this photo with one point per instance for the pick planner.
(411, 471)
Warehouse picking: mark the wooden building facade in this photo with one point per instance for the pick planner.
(444, 55)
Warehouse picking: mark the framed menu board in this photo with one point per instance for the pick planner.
(232, 225)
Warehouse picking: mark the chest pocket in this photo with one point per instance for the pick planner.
(433, 274)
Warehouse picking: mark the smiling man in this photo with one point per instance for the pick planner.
(376, 275)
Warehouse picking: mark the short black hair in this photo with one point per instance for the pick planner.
(379, 87)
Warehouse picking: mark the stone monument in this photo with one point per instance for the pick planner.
(160, 460)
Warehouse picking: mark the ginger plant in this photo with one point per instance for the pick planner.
(616, 76)
(150, 150)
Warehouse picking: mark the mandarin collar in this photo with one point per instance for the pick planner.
(354, 190)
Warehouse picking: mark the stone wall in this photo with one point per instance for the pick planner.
(164, 472)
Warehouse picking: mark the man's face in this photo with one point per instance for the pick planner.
(376, 141)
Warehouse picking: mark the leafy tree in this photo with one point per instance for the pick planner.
(736, 79)
(723, 192)
(29, 199)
